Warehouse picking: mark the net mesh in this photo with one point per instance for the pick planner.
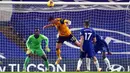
(17, 22)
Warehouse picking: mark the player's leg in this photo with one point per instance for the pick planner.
(46, 62)
(58, 47)
(88, 62)
(96, 63)
(73, 40)
(58, 53)
(27, 60)
(79, 64)
(91, 54)
(82, 55)
(77, 43)
(42, 54)
(106, 60)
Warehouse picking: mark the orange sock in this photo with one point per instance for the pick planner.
(58, 52)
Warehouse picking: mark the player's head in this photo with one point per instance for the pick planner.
(86, 23)
(36, 32)
(51, 19)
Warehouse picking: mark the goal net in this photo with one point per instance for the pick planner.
(19, 19)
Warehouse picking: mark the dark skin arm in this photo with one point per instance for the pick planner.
(94, 40)
(81, 43)
(105, 44)
(48, 26)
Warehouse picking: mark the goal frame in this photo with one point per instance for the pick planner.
(67, 3)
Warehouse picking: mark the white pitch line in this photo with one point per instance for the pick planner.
(118, 53)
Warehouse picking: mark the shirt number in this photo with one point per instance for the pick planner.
(87, 36)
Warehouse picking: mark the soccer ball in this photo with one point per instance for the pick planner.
(50, 3)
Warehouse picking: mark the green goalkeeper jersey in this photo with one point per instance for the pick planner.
(35, 43)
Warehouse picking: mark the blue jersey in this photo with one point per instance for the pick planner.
(88, 34)
(100, 43)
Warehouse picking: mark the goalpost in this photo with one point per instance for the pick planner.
(68, 3)
(111, 20)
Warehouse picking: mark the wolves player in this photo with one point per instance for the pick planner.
(34, 47)
(87, 38)
(102, 46)
(64, 32)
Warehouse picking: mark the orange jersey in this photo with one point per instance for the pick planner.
(62, 28)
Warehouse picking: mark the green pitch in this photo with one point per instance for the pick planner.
(66, 72)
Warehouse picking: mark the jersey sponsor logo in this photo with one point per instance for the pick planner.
(115, 68)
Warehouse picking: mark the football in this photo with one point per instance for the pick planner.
(50, 3)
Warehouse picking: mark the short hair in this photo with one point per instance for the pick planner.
(86, 22)
(50, 18)
(36, 30)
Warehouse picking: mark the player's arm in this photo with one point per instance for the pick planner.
(46, 40)
(105, 44)
(94, 37)
(81, 43)
(28, 42)
(94, 40)
(81, 40)
(46, 43)
(48, 26)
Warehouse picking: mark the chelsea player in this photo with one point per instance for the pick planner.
(102, 46)
(87, 39)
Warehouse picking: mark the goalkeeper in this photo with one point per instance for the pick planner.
(34, 48)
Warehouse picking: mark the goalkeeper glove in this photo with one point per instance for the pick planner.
(47, 49)
(28, 51)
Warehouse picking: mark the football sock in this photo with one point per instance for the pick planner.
(58, 52)
(46, 64)
(27, 60)
(97, 64)
(107, 62)
(79, 64)
(88, 61)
